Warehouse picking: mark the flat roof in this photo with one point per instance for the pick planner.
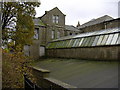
(82, 73)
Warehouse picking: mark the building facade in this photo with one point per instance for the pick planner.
(48, 27)
(102, 23)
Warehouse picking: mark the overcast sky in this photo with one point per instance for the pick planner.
(80, 10)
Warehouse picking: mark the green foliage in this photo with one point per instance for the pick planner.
(14, 66)
(18, 23)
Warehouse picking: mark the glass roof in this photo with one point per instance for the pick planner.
(97, 38)
(107, 31)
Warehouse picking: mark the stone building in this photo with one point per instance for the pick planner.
(101, 23)
(48, 27)
(77, 52)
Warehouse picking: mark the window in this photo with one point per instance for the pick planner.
(55, 19)
(53, 34)
(58, 34)
(36, 35)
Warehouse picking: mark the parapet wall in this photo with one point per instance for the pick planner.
(45, 82)
(93, 53)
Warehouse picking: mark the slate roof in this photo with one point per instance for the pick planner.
(96, 21)
(82, 73)
(71, 28)
(38, 22)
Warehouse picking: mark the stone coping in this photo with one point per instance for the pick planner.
(60, 83)
(41, 69)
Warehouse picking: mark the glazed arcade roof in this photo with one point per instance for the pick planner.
(92, 39)
(107, 31)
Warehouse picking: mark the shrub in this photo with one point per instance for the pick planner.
(14, 66)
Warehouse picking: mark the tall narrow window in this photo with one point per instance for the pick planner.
(58, 34)
(53, 34)
(36, 35)
(55, 19)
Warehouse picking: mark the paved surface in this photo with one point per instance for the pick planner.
(81, 73)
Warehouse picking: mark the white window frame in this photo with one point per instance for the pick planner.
(55, 19)
(36, 35)
(58, 34)
(52, 34)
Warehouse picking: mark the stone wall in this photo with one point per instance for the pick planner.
(44, 81)
(104, 25)
(90, 53)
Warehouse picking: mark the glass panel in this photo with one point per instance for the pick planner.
(87, 41)
(59, 44)
(70, 43)
(84, 41)
(54, 44)
(78, 41)
(118, 41)
(62, 45)
(104, 40)
(66, 43)
(109, 39)
(114, 40)
(95, 41)
(81, 41)
(91, 41)
(100, 40)
(51, 45)
(75, 42)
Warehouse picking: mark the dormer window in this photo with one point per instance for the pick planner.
(36, 35)
(55, 19)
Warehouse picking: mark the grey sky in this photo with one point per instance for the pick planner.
(80, 10)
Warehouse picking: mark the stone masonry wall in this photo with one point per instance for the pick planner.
(92, 53)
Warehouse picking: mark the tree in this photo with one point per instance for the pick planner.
(18, 26)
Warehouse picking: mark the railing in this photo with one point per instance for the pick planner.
(29, 85)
